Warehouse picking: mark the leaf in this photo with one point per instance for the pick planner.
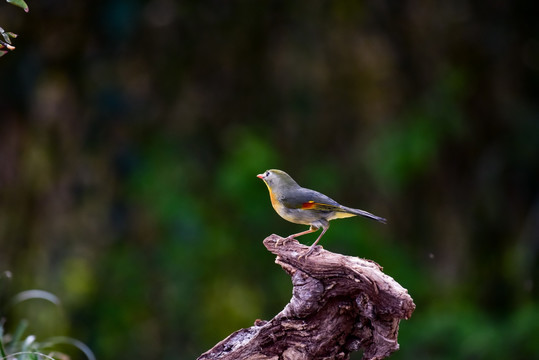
(28, 342)
(2, 350)
(5, 45)
(35, 294)
(19, 331)
(19, 3)
(31, 355)
(67, 340)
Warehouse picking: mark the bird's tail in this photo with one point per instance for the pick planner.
(364, 214)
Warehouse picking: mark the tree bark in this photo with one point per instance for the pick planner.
(340, 304)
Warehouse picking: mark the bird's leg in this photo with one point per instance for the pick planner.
(311, 229)
(293, 236)
(313, 246)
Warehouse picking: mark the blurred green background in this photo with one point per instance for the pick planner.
(131, 133)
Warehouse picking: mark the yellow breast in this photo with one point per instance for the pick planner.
(274, 202)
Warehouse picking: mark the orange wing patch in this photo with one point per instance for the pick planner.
(311, 205)
(308, 205)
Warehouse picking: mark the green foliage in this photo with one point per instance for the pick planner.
(5, 41)
(19, 3)
(19, 345)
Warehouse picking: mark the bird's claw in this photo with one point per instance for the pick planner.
(283, 240)
(309, 251)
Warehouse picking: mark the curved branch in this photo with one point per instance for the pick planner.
(340, 304)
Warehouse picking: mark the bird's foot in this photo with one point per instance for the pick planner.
(309, 251)
(283, 240)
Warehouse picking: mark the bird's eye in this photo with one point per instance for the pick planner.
(267, 173)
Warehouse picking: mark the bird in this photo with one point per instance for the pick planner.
(304, 206)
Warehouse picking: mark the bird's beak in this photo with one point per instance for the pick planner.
(260, 176)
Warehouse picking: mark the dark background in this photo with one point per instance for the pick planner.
(131, 133)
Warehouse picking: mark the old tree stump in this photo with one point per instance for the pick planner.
(340, 304)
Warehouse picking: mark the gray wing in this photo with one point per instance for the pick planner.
(303, 198)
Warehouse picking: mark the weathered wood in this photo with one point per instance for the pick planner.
(340, 304)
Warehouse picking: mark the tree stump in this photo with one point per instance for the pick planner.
(340, 304)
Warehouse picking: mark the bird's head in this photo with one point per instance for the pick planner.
(277, 180)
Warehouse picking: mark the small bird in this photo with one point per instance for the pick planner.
(305, 206)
